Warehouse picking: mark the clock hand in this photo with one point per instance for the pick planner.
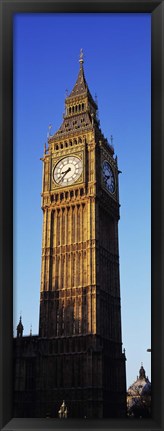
(61, 179)
(107, 177)
(65, 172)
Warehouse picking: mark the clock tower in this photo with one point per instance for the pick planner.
(80, 288)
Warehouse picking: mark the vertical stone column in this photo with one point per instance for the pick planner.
(46, 175)
(89, 309)
(65, 273)
(61, 227)
(71, 254)
(48, 250)
(93, 243)
(66, 251)
(73, 270)
(66, 226)
(76, 224)
(60, 256)
(80, 315)
(70, 225)
(73, 226)
(54, 245)
(42, 288)
(78, 268)
(94, 312)
(88, 242)
(81, 223)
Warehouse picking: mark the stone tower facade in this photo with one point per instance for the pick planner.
(80, 317)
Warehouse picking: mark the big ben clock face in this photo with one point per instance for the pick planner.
(67, 171)
(108, 177)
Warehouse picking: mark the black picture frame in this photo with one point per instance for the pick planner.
(7, 9)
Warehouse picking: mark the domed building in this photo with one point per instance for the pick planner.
(139, 396)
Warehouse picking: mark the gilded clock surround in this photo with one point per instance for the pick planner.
(80, 180)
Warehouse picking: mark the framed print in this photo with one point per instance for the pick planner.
(70, 349)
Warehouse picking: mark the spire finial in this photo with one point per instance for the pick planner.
(81, 60)
(142, 374)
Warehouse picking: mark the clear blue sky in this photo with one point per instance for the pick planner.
(117, 63)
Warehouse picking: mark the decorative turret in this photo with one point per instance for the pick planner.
(20, 328)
